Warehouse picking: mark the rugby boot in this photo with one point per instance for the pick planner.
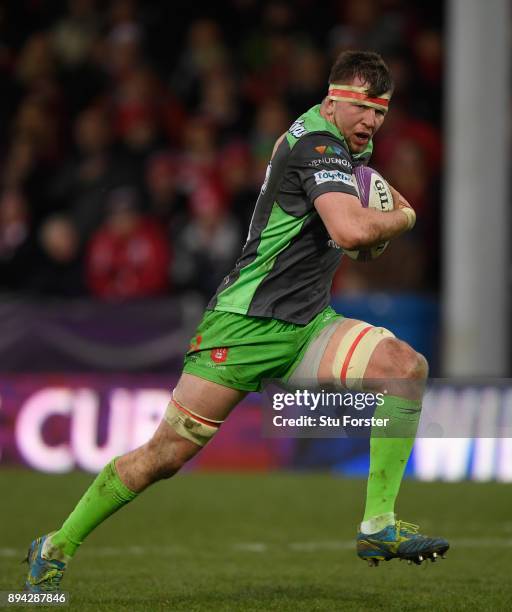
(44, 575)
(399, 541)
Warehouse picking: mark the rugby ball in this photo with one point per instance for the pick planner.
(373, 192)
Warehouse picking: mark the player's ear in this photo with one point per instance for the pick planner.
(328, 106)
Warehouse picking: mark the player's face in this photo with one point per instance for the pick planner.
(358, 123)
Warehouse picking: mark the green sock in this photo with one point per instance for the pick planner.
(104, 497)
(390, 448)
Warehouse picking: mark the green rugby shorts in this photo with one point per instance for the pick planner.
(240, 352)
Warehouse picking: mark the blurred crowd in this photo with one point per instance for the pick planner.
(134, 136)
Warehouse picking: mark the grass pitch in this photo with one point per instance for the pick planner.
(282, 542)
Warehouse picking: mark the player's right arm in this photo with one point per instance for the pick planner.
(351, 226)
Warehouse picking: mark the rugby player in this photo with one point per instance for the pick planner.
(270, 319)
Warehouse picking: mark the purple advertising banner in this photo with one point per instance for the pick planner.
(57, 423)
(60, 422)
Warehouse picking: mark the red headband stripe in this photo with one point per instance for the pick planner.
(345, 93)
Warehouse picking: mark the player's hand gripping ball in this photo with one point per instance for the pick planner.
(374, 192)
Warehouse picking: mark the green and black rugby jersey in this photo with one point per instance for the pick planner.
(288, 262)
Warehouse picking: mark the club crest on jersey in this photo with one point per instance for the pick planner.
(219, 355)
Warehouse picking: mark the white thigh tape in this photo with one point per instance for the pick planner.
(354, 352)
(190, 425)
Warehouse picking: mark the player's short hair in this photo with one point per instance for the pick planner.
(367, 65)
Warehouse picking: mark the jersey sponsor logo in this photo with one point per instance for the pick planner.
(329, 149)
(336, 150)
(297, 128)
(331, 160)
(219, 355)
(332, 176)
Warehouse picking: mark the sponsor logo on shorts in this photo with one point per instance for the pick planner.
(219, 355)
(332, 176)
